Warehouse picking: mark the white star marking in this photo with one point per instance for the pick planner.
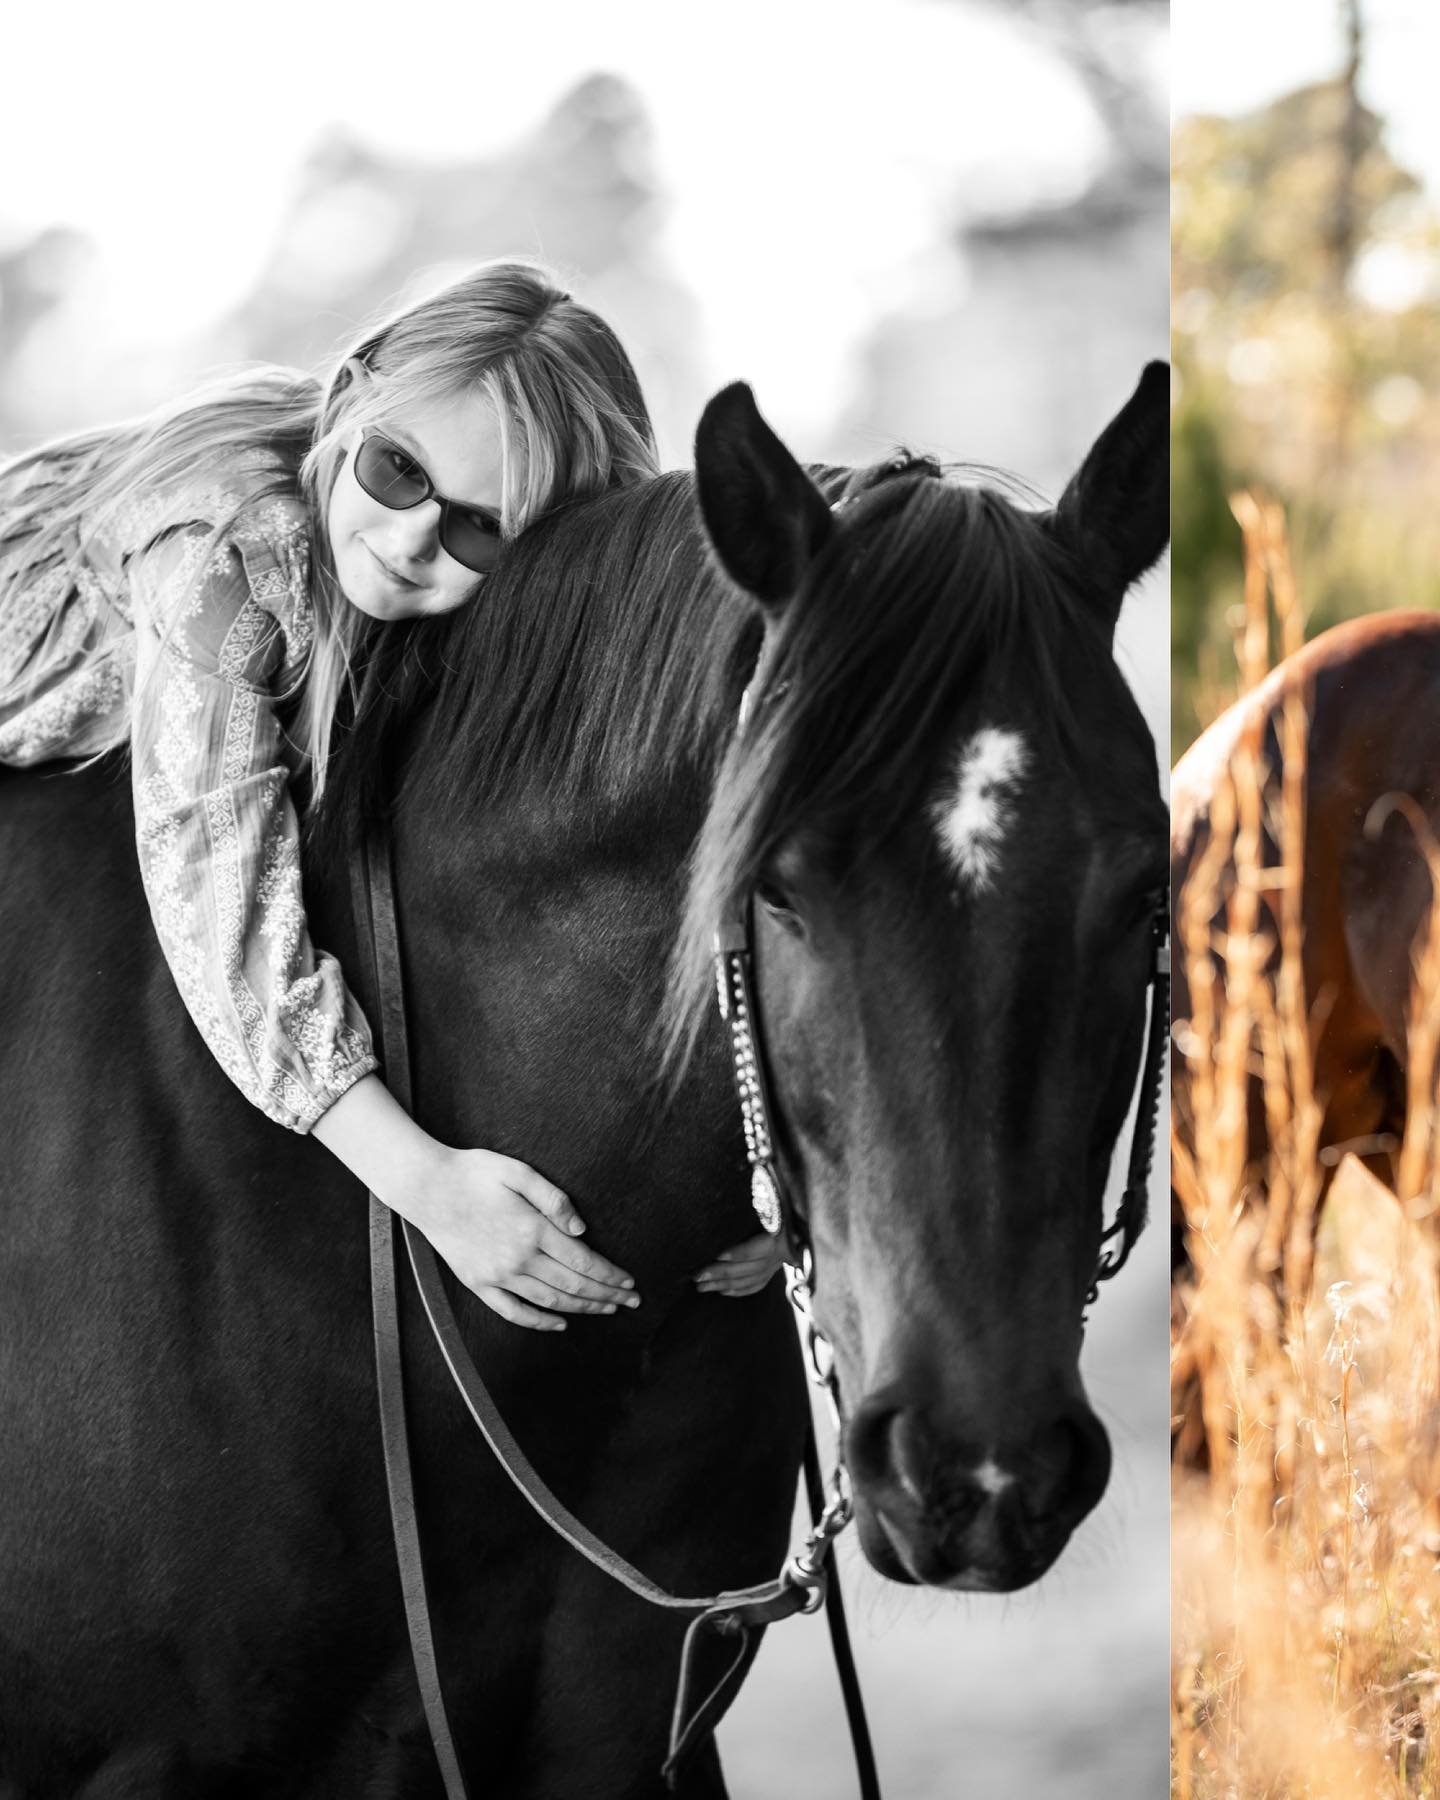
(972, 817)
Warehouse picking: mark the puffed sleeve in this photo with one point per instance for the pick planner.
(218, 837)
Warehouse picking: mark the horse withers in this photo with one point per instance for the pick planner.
(947, 807)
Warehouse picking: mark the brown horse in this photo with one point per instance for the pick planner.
(1371, 693)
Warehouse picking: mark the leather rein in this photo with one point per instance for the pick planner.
(801, 1586)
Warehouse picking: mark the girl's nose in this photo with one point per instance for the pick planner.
(415, 533)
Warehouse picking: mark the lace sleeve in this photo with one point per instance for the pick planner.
(218, 837)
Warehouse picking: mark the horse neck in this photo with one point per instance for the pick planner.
(537, 944)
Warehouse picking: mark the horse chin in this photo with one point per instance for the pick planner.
(982, 1561)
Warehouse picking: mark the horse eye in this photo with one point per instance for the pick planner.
(777, 903)
(1146, 905)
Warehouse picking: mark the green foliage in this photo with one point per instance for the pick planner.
(1305, 263)
(1205, 553)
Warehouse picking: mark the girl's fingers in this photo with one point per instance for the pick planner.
(582, 1260)
(544, 1196)
(753, 1249)
(733, 1263)
(584, 1287)
(732, 1281)
(528, 1287)
(516, 1311)
(768, 1261)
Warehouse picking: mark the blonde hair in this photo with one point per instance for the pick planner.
(573, 424)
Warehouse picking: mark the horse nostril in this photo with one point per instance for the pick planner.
(868, 1444)
(1055, 1448)
(910, 1460)
(896, 1448)
(1070, 1464)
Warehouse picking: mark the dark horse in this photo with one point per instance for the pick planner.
(946, 803)
(1371, 691)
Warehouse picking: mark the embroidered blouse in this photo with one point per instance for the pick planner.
(198, 601)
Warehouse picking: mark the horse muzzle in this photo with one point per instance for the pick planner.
(936, 1508)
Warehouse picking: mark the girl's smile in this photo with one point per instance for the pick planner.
(393, 575)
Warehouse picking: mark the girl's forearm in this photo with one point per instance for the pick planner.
(377, 1140)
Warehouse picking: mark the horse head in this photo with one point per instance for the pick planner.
(942, 805)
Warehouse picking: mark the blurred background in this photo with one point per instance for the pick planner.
(941, 223)
(1306, 276)
(1306, 196)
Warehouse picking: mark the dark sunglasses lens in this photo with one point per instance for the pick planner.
(472, 540)
(388, 475)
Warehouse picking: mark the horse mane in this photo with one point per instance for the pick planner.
(606, 649)
(603, 649)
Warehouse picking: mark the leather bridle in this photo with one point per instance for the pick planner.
(777, 1212)
(769, 1191)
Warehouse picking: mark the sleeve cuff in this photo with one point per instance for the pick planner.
(341, 1084)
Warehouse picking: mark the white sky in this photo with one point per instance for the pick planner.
(807, 145)
(1232, 55)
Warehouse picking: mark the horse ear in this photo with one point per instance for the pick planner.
(1116, 511)
(765, 518)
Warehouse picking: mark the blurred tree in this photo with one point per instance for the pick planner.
(1204, 547)
(1305, 265)
(1101, 41)
(1352, 146)
(1035, 324)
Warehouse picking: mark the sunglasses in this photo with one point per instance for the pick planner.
(471, 534)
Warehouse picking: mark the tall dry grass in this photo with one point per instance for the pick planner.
(1306, 1606)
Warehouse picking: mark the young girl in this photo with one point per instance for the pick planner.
(173, 582)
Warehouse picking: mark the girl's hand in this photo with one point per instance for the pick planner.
(743, 1270)
(512, 1237)
(509, 1234)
